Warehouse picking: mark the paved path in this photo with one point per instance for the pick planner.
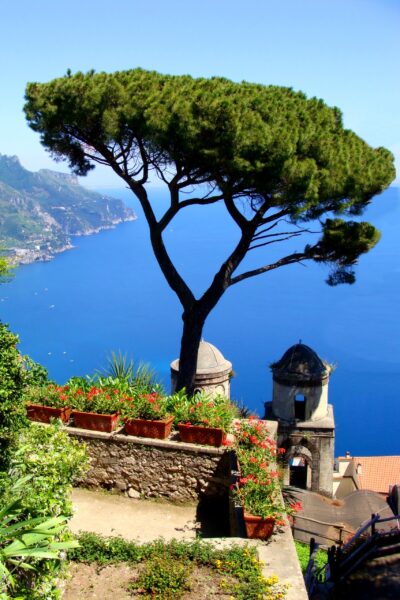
(140, 520)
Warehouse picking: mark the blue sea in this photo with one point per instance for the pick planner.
(108, 294)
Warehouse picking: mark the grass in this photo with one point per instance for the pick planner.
(167, 566)
(303, 554)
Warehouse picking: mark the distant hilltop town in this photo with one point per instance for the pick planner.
(40, 212)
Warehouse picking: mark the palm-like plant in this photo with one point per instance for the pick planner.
(122, 369)
(23, 542)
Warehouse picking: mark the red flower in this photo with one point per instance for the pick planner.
(282, 450)
(296, 506)
(227, 443)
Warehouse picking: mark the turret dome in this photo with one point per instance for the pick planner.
(213, 371)
(209, 358)
(300, 365)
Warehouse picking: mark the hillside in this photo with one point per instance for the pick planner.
(39, 212)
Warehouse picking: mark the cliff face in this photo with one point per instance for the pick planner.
(39, 212)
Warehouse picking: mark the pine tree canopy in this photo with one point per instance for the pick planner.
(268, 142)
(276, 159)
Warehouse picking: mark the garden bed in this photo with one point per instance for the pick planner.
(113, 581)
(112, 567)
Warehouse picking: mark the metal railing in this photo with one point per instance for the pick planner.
(305, 527)
(343, 560)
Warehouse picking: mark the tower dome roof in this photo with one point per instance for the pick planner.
(300, 364)
(209, 360)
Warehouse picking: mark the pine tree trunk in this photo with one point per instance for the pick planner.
(193, 323)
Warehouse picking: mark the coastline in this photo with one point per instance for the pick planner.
(26, 256)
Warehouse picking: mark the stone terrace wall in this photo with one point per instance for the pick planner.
(154, 468)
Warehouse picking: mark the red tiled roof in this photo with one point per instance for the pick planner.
(377, 473)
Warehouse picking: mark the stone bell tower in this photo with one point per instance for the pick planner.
(213, 371)
(306, 426)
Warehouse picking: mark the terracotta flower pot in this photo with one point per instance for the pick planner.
(95, 421)
(157, 429)
(259, 528)
(43, 414)
(197, 434)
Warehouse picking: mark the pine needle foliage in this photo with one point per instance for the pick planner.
(274, 158)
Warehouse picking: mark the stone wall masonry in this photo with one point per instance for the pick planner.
(175, 471)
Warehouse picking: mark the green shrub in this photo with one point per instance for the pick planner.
(94, 548)
(52, 459)
(164, 578)
(35, 373)
(12, 383)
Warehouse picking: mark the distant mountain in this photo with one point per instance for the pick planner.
(39, 212)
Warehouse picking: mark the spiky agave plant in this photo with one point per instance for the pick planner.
(140, 376)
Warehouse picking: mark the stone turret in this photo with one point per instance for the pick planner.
(213, 371)
(300, 385)
(306, 426)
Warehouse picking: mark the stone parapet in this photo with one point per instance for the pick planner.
(154, 468)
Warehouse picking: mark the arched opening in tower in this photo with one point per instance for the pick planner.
(299, 472)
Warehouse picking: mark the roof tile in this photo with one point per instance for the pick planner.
(377, 473)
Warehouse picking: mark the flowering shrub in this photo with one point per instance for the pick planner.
(258, 489)
(80, 395)
(202, 409)
(96, 400)
(152, 406)
(132, 397)
(253, 432)
(47, 395)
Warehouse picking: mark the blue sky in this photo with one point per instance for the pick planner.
(344, 51)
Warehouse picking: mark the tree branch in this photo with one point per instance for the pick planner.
(287, 260)
(274, 241)
(262, 231)
(270, 235)
(176, 207)
(275, 217)
(234, 212)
